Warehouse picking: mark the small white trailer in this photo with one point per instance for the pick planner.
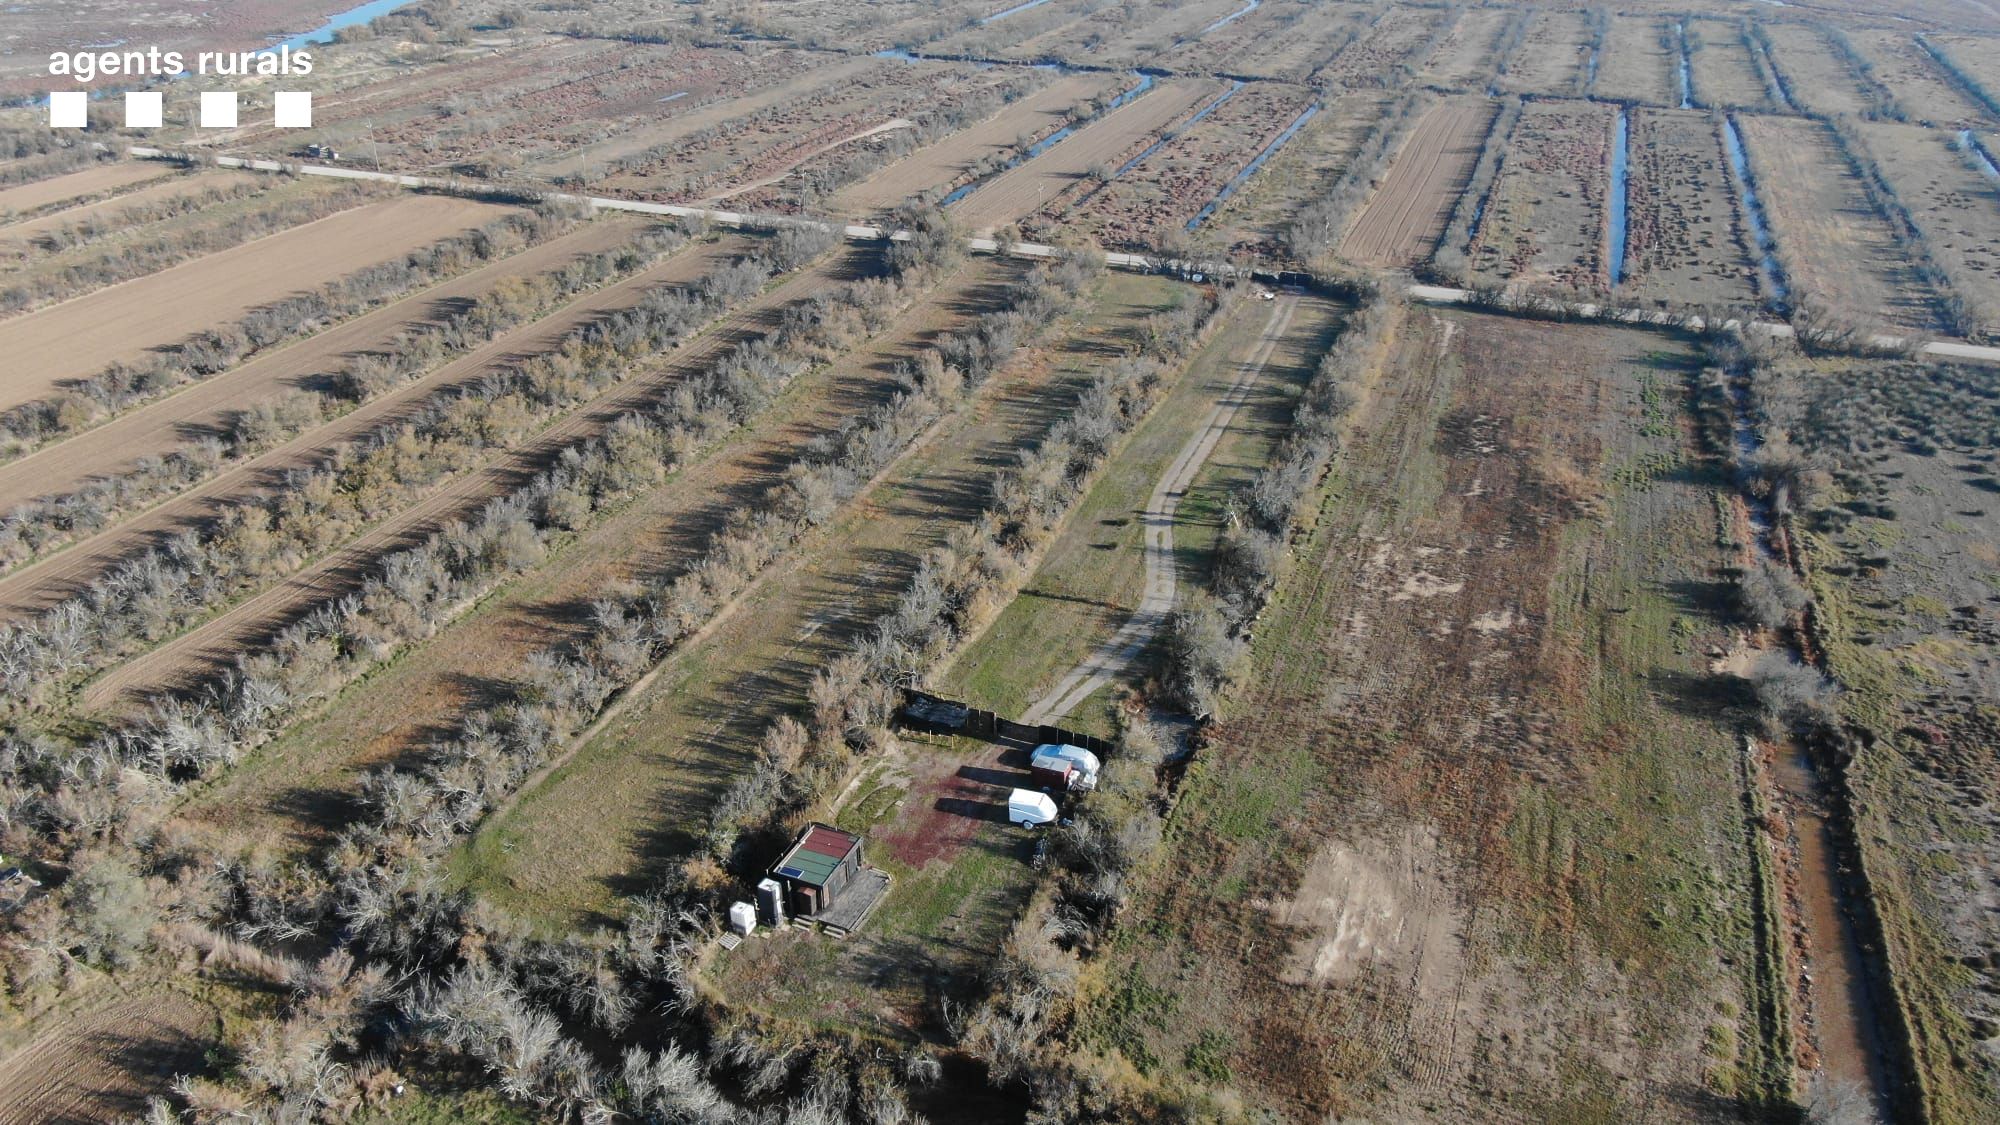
(1030, 809)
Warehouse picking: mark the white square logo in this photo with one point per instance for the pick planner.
(144, 109)
(218, 109)
(295, 109)
(69, 109)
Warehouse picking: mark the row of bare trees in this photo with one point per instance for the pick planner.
(123, 386)
(1452, 259)
(48, 522)
(264, 537)
(82, 232)
(139, 257)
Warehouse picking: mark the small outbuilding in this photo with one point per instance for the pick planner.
(820, 864)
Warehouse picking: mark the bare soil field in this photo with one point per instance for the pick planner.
(101, 1061)
(1439, 805)
(206, 407)
(1923, 88)
(1468, 57)
(213, 644)
(102, 179)
(1402, 222)
(1956, 208)
(18, 239)
(951, 161)
(1551, 56)
(69, 340)
(1815, 73)
(622, 810)
(1108, 141)
(289, 794)
(1151, 203)
(1256, 218)
(1724, 74)
(1639, 63)
(40, 585)
(1389, 52)
(1839, 254)
(1685, 239)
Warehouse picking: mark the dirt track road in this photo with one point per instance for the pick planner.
(1162, 579)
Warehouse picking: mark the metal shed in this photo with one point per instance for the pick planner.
(818, 866)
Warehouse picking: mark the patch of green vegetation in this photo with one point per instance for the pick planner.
(874, 799)
(1208, 1057)
(1135, 1010)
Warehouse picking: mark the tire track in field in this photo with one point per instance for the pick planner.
(215, 643)
(1162, 577)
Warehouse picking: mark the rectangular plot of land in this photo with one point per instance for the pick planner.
(78, 338)
(94, 180)
(1256, 218)
(1383, 54)
(1725, 76)
(1841, 256)
(957, 157)
(1403, 220)
(1640, 62)
(1685, 240)
(1469, 55)
(1545, 222)
(1817, 76)
(1109, 141)
(1923, 89)
(1550, 56)
(1955, 206)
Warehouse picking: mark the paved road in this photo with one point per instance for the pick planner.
(1157, 601)
(1949, 349)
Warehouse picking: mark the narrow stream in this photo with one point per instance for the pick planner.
(1753, 213)
(1970, 142)
(1621, 162)
(1250, 169)
(1774, 84)
(1687, 77)
(350, 18)
(1232, 17)
(1170, 134)
(1835, 980)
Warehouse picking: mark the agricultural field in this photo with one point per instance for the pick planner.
(641, 778)
(1445, 871)
(1722, 72)
(1545, 220)
(1924, 90)
(954, 161)
(999, 561)
(1287, 40)
(1255, 220)
(1402, 222)
(1068, 169)
(1551, 56)
(1839, 255)
(1151, 202)
(1821, 78)
(1640, 63)
(1953, 206)
(1392, 50)
(1685, 241)
(68, 341)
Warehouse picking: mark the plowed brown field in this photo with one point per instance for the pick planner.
(77, 185)
(1401, 224)
(78, 338)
